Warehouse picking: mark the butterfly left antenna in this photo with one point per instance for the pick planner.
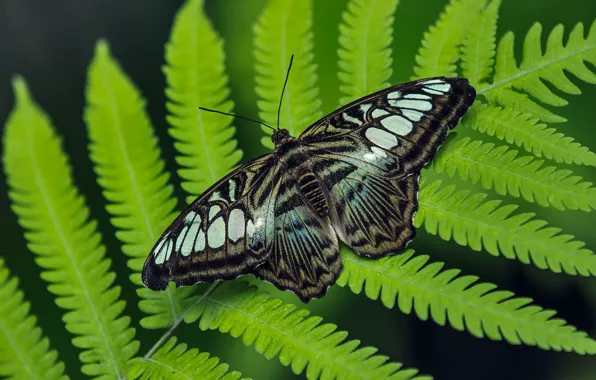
(284, 90)
(239, 117)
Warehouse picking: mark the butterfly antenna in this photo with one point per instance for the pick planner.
(239, 117)
(283, 90)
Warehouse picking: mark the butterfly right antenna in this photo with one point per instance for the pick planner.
(283, 90)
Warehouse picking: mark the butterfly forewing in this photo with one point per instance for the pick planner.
(222, 234)
(353, 175)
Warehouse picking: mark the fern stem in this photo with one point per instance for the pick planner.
(179, 320)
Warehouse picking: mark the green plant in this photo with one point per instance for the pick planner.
(512, 106)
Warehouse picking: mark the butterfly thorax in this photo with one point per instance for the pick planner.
(297, 163)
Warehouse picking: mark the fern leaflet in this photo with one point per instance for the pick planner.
(195, 77)
(24, 352)
(465, 304)
(470, 220)
(173, 361)
(479, 45)
(522, 103)
(65, 240)
(501, 169)
(300, 341)
(525, 131)
(549, 65)
(131, 173)
(440, 48)
(364, 53)
(285, 28)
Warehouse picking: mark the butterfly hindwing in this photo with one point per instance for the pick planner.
(222, 234)
(305, 253)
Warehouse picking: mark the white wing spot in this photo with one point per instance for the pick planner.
(397, 125)
(213, 211)
(232, 186)
(417, 96)
(200, 242)
(189, 217)
(216, 233)
(412, 115)
(236, 225)
(394, 95)
(161, 253)
(419, 105)
(351, 119)
(376, 154)
(216, 196)
(443, 87)
(189, 240)
(365, 107)
(181, 237)
(432, 81)
(381, 138)
(379, 112)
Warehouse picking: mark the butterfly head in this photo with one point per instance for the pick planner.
(280, 136)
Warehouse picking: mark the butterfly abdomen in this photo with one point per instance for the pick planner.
(312, 191)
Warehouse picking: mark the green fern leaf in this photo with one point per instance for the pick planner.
(538, 66)
(300, 341)
(364, 54)
(285, 28)
(131, 172)
(24, 352)
(500, 169)
(508, 98)
(478, 49)
(440, 48)
(467, 305)
(471, 220)
(173, 361)
(195, 75)
(65, 239)
(525, 131)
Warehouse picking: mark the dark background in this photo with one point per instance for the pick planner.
(51, 43)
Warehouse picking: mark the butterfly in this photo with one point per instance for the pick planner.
(352, 176)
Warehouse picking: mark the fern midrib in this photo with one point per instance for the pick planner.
(439, 50)
(535, 242)
(48, 202)
(476, 76)
(521, 73)
(17, 350)
(519, 175)
(479, 311)
(201, 122)
(365, 47)
(305, 346)
(113, 107)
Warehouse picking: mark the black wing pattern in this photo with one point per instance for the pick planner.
(222, 234)
(369, 155)
(305, 253)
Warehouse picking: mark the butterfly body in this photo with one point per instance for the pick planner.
(350, 177)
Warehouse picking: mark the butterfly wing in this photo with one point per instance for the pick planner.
(305, 254)
(222, 234)
(369, 155)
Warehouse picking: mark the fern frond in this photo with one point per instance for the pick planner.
(500, 169)
(24, 352)
(300, 341)
(131, 172)
(65, 240)
(509, 98)
(195, 76)
(538, 66)
(440, 48)
(365, 35)
(445, 296)
(526, 132)
(173, 361)
(285, 28)
(471, 220)
(479, 46)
